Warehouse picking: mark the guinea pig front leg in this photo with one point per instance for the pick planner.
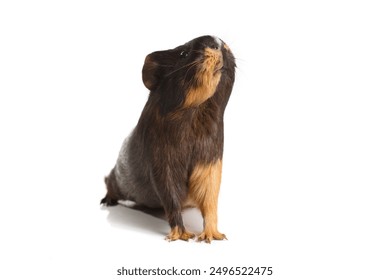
(204, 187)
(171, 193)
(178, 230)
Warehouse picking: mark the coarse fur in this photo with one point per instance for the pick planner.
(173, 158)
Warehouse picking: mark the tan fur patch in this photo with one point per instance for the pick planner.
(204, 187)
(207, 78)
(226, 47)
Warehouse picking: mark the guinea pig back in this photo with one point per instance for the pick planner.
(173, 158)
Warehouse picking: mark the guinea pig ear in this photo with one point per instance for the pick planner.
(150, 72)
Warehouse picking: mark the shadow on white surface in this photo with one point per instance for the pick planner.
(129, 218)
(151, 220)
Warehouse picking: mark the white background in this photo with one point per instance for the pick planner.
(307, 154)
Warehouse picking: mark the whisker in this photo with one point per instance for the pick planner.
(197, 51)
(189, 64)
(185, 76)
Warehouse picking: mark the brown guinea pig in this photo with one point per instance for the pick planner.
(173, 158)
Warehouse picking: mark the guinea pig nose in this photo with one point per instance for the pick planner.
(216, 43)
(214, 46)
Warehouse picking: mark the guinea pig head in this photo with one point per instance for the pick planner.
(190, 74)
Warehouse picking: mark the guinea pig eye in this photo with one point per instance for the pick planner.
(183, 54)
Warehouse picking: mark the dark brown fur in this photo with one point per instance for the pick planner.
(173, 158)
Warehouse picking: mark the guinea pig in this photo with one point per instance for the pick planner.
(173, 157)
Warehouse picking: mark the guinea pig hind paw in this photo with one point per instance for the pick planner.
(106, 201)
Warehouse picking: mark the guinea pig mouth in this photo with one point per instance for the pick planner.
(218, 68)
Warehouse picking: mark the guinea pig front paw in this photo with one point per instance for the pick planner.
(178, 233)
(208, 236)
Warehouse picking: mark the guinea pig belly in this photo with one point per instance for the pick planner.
(132, 178)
